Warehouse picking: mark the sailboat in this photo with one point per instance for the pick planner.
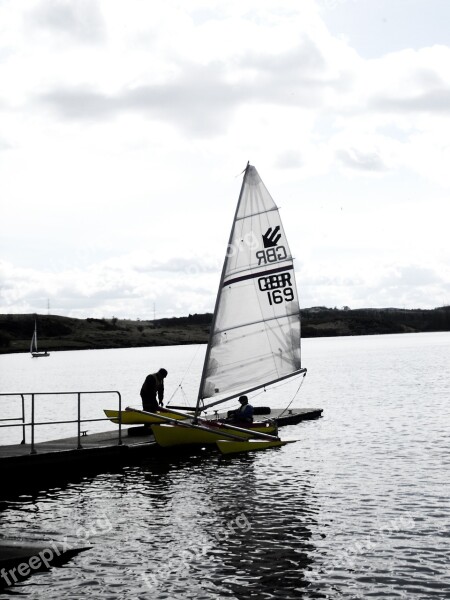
(34, 345)
(255, 336)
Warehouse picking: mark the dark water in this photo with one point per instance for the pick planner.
(357, 508)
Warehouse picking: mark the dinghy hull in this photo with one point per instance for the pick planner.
(167, 435)
(234, 446)
(131, 417)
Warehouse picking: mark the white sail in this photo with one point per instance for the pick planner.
(33, 346)
(255, 336)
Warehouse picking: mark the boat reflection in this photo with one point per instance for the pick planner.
(241, 526)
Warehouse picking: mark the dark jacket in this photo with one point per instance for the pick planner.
(152, 386)
(243, 414)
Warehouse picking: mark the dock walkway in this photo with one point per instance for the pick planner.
(102, 449)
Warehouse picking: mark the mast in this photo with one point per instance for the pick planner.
(222, 277)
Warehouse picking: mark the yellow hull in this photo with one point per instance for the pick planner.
(172, 435)
(234, 446)
(130, 417)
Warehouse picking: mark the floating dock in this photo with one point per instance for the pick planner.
(100, 451)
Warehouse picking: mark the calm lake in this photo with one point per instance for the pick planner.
(357, 508)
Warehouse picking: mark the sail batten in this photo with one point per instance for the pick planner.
(255, 333)
(239, 270)
(251, 323)
(256, 214)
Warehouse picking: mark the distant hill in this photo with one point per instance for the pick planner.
(65, 333)
(321, 321)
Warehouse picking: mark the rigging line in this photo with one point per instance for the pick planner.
(294, 396)
(182, 379)
(273, 387)
(184, 394)
(243, 170)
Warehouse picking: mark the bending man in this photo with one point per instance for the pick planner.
(153, 386)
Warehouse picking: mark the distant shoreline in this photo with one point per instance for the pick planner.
(66, 333)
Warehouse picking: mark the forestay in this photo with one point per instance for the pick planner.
(255, 336)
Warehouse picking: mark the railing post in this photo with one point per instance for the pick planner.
(33, 451)
(120, 419)
(79, 447)
(23, 420)
(78, 421)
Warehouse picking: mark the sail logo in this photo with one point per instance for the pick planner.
(271, 238)
(272, 253)
(277, 283)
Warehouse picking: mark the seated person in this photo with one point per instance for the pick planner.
(244, 414)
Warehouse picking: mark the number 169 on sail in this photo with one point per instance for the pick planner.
(278, 296)
(278, 288)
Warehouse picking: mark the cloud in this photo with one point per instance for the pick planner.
(434, 101)
(81, 20)
(131, 120)
(110, 287)
(81, 102)
(199, 101)
(289, 159)
(201, 98)
(412, 275)
(124, 289)
(354, 159)
(376, 285)
(4, 145)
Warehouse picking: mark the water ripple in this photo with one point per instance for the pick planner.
(358, 508)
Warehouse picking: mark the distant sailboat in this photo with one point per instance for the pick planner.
(34, 345)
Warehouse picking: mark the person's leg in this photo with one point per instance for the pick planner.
(150, 404)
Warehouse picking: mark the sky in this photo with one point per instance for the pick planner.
(125, 127)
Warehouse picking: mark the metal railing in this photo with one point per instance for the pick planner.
(78, 420)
